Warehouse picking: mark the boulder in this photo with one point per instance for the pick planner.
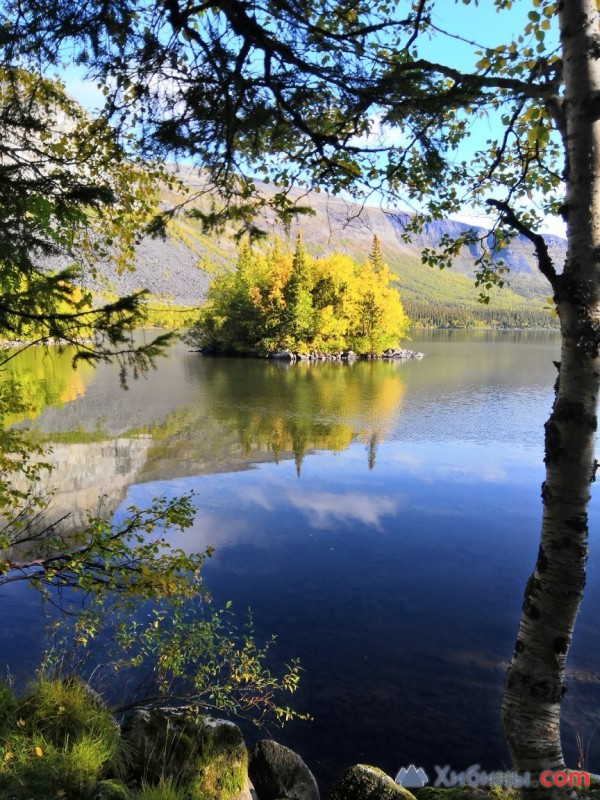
(161, 747)
(401, 354)
(280, 774)
(362, 782)
(207, 757)
(221, 763)
(284, 355)
(111, 790)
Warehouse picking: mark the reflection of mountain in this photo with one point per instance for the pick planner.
(196, 415)
(208, 415)
(193, 416)
(89, 477)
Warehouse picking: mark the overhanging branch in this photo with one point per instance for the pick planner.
(545, 263)
(478, 82)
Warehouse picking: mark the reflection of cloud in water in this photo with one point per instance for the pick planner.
(261, 496)
(327, 509)
(230, 525)
(213, 530)
(467, 473)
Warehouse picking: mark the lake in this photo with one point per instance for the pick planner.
(380, 518)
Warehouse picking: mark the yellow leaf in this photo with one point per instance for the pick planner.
(7, 756)
(20, 723)
(38, 751)
(60, 793)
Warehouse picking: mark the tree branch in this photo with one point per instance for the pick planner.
(478, 82)
(545, 263)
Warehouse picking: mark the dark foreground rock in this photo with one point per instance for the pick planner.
(280, 774)
(362, 782)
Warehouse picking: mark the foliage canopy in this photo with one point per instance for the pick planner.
(313, 94)
(277, 300)
(70, 197)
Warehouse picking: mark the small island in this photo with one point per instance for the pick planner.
(294, 307)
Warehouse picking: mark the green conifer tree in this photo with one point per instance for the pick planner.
(376, 255)
(299, 318)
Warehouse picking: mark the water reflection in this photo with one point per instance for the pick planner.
(399, 592)
(85, 477)
(244, 412)
(37, 378)
(289, 410)
(394, 566)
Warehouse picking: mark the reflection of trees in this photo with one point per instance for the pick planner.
(256, 409)
(246, 410)
(38, 378)
(301, 407)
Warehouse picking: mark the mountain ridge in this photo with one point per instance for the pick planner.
(178, 270)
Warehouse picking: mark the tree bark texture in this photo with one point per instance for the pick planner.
(535, 682)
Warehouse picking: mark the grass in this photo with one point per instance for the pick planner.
(56, 742)
(59, 742)
(165, 790)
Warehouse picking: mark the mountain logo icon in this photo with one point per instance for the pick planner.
(412, 777)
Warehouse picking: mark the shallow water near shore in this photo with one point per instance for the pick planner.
(380, 518)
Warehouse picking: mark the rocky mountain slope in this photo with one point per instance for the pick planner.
(178, 269)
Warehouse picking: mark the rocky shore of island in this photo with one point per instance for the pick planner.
(391, 354)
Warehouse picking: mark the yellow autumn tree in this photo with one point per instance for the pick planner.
(380, 321)
(282, 300)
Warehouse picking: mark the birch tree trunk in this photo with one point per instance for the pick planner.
(535, 681)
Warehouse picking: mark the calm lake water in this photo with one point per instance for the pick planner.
(381, 519)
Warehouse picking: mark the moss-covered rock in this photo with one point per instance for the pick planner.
(111, 790)
(467, 793)
(162, 747)
(208, 758)
(221, 762)
(591, 792)
(363, 782)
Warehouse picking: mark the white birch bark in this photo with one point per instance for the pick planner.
(535, 682)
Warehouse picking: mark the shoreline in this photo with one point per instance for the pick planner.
(339, 357)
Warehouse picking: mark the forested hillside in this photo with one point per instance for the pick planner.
(178, 270)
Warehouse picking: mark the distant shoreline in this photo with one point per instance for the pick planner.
(18, 343)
